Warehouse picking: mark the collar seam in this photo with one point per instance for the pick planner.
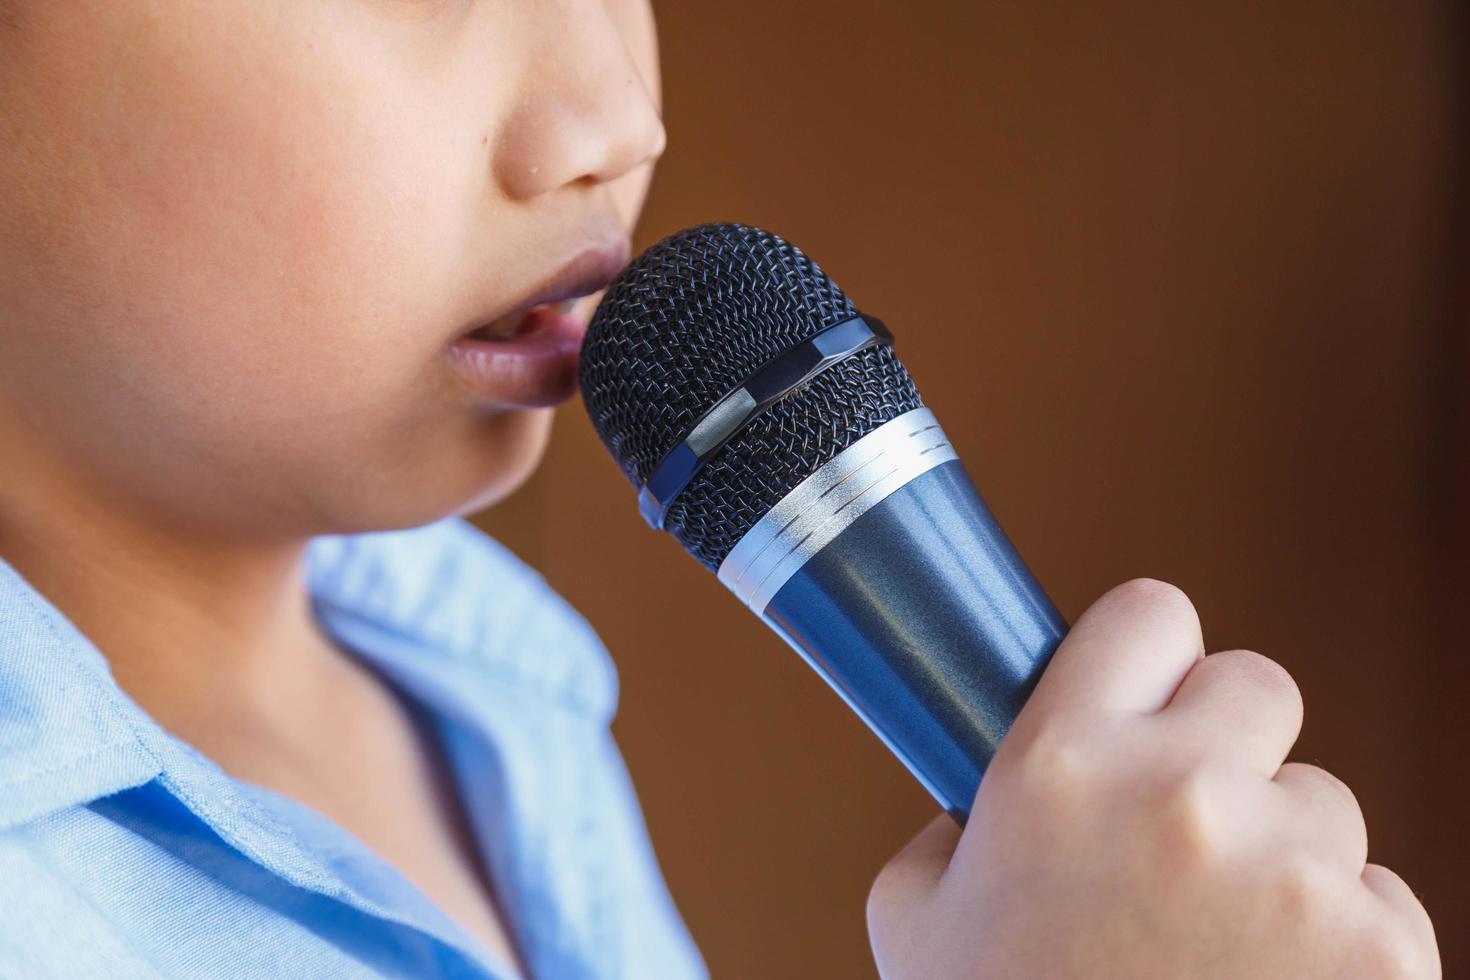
(109, 689)
(126, 741)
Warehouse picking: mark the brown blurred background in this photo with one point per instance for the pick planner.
(1186, 285)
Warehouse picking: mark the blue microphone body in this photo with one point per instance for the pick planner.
(916, 610)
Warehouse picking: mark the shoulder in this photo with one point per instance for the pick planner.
(452, 588)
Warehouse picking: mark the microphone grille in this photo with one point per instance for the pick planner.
(690, 320)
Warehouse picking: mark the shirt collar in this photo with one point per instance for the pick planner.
(442, 609)
(69, 734)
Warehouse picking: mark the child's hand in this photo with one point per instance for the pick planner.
(1138, 822)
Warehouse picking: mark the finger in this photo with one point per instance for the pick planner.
(1240, 702)
(1325, 812)
(915, 871)
(925, 858)
(1128, 652)
(1397, 899)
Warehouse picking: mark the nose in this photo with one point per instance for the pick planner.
(586, 116)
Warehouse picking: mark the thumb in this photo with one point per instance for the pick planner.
(906, 882)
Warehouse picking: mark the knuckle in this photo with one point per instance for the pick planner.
(1302, 882)
(1260, 672)
(1051, 769)
(1193, 822)
(1388, 884)
(1406, 935)
(1055, 752)
(1153, 593)
(1395, 955)
(1159, 601)
(1328, 784)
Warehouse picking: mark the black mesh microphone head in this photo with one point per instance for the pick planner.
(689, 321)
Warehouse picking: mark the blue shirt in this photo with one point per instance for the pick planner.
(126, 853)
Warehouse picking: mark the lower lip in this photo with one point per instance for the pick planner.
(534, 369)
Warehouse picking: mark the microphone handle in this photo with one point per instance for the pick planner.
(921, 615)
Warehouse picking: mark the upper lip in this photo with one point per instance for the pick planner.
(590, 268)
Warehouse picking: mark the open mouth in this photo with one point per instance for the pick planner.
(517, 324)
(527, 357)
(588, 272)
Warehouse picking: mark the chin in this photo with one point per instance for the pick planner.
(455, 477)
(508, 448)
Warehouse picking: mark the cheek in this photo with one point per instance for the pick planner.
(279, 233)
(249, 269)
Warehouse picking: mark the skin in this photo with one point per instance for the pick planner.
(1139, 820)
(236, 241)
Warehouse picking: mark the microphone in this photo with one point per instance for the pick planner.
(768, 426)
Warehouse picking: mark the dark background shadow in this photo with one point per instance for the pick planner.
(1183, 284)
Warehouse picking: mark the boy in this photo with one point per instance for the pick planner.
(279, 276)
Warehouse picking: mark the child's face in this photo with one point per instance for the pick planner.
(238, 239)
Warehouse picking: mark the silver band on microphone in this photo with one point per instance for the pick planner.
(824, 504)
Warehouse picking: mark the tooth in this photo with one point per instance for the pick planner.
(504, 327)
